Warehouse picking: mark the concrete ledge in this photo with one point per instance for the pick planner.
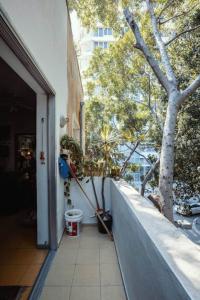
(157, 260)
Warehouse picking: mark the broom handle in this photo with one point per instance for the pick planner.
(98, 215)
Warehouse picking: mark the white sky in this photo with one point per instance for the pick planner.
(75, 26)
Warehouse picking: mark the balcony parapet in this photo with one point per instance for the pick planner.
(157, 260)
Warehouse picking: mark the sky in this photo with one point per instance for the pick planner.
(75, 26)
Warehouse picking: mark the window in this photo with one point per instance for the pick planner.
(136, 177)
(100, 31)
(109, 31)
(103, 45)
(103, 31)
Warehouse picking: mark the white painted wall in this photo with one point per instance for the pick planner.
(42, 171)
(42, 26)
(81, 202)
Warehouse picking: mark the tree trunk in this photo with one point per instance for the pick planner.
(148, 176)
(167, 157)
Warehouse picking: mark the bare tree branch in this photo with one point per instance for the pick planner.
(161, 46)
(167, 5)
(148, 176)
(181, 33)
(189, 90)
(128, 158)
(184, 13)
(147, 160)
(141, 45)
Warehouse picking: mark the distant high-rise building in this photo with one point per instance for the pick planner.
(87, 40)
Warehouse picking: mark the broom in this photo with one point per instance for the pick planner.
(91, 204)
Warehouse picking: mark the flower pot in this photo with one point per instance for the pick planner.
(107, 218)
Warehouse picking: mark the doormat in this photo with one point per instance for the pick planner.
(10, 292)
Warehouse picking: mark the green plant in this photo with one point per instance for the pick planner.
(76, 157)
(75, 151)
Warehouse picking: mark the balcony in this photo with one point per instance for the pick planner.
(84, 268)
(154, 258)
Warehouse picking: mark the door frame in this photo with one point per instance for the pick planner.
(16, 45)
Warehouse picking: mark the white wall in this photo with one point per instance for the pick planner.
(42, 26)
(42, 172)
(81, 202)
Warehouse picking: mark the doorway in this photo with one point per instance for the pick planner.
(20, 258)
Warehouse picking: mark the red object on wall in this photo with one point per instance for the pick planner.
(42, 157)
(73, 167)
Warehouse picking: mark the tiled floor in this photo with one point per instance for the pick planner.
(20, 260)
(85, 268)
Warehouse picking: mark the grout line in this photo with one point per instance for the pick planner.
(100, 270)
(74, 270)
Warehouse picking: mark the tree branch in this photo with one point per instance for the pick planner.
(168, 4)
(189, 90)
(148, 176)
(147, 160)
(181, 33)
(161, 46)
(184, 13)
(141, 45)
(128, 158)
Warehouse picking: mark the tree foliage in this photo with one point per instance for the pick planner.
(121, 74)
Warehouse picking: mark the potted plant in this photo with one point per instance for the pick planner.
(103, 154)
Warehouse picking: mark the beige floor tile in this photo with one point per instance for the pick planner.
(85, 293)
(60, 275)
(66, 256)
(55, 292)
(89, 242)
(106, 243)
(12, 274)
(69, 243)
(30, 275)
(110, 274)
(86, 275)
(88, 256)
(89, 231)
(112, 293)
(108, 256)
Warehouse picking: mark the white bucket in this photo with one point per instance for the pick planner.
(73, 218)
